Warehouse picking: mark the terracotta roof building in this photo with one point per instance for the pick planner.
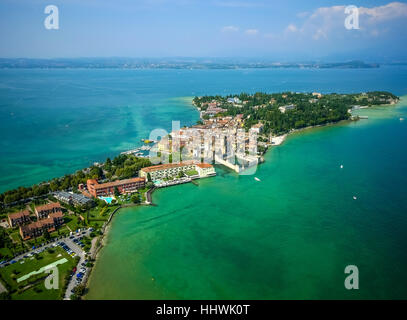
(36, 229)
(19, 218)
(44, 210)
(124, 186)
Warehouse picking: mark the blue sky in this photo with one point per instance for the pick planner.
(276, 30)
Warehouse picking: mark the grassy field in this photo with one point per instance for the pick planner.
(74, 222)
(33, 288)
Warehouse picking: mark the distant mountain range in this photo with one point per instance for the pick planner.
(172, 63)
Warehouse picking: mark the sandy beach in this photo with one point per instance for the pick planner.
(276, 141)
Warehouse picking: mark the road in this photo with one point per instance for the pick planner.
(73, 282)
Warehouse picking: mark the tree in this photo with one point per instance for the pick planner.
(5, 296)
(47, 236)
(135, 198)
(74, 297)
(148, 176)
(116, 192)
(79, 290)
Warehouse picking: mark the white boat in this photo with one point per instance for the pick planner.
(257, 179)
(341, 166)
(401, 119)
(354, 197)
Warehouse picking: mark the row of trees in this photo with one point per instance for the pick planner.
(309, 110)
(121, 167)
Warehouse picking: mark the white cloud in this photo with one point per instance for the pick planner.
(291, 28)
(251, 32)
(328, 22)
(390, 11)
(230, 29)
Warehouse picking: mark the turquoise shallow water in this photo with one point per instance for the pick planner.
(53, 122)
(288, 236)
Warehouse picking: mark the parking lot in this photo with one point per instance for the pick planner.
(80, 273)
(73, 246)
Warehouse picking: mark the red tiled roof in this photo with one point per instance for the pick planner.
(39, 224)
(48, 206)
(58, 214)
(20, 214)
(204, 165)
(114, 183)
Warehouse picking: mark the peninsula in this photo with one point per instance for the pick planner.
(234, 131)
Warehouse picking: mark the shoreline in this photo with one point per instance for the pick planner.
(101, 241)
(103, 237)
(279, 140)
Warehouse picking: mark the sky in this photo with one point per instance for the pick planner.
(289, 30)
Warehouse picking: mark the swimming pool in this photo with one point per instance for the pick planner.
(107, 199)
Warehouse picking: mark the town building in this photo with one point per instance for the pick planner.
(37, 228)
(19, 218)
(205, 170)
(283, 109)
(43, 211)
(73, 198)
(167, 170)
(234, 100)
(257, 128)
(123, 186)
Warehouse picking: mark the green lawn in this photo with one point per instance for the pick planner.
(33, 288)
(15, 236)
(100, 214)
(73, 222)
(191, 172)
(63, 231)
(14, 247)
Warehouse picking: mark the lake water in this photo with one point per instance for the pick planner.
(290, 235)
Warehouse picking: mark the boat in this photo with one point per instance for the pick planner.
(401, 119)
(341, 166)
(354, 197)
(257, 179)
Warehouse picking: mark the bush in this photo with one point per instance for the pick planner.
(79, 290)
